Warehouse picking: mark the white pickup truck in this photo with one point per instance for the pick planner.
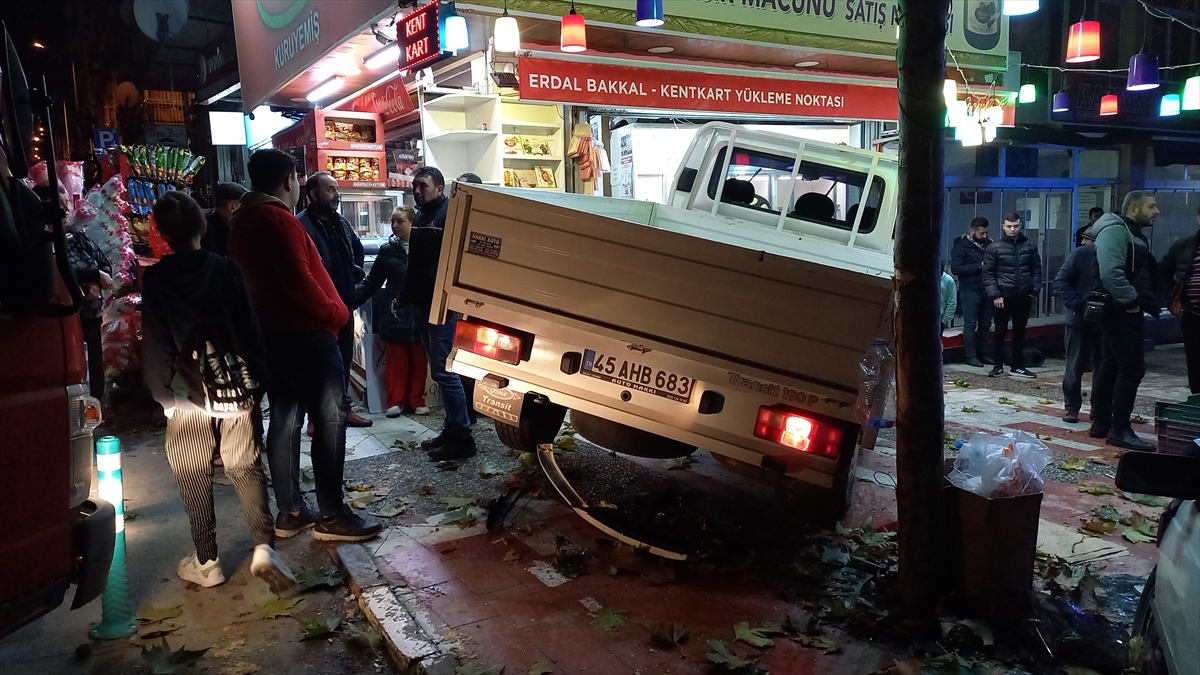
(733, 319)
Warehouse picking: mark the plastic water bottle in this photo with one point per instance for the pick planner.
(875, 380)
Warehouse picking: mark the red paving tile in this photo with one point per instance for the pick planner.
(456, 604)
(419, 566)
(498, 642)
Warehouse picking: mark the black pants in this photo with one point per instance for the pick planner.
(1018, 310)
(1082, 347)
(345, 340)
(977, 319)
(95, 356)
(1190, 323)
(1115, 383)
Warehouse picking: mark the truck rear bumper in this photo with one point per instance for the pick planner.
(94, 534)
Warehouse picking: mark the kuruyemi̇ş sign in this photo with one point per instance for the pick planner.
(565, 81)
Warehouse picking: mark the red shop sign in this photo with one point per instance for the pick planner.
(391, 100)
(565, 81)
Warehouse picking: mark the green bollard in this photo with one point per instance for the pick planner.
(117, 620)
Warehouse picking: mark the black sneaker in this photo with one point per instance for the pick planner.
(457, 445)
(998, 371)
(288, 525)
(974, 362)
(435, 443)
(345, 526)
(1024, 372)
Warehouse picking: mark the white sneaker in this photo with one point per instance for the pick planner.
(270, 568)
(207, 575)
(394, 411)
(421, 411)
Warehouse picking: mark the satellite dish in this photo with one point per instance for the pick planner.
(160, 19)
(127, 94)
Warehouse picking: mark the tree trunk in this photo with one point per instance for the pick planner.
(920, 56)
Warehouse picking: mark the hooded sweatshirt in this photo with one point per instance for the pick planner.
(1129, 279)
(288, 283)
(176, 292)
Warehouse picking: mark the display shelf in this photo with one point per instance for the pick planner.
(541, 120)
(460, 135)
(534, 158)
(351, 146)
(527, 127)
(459, 103)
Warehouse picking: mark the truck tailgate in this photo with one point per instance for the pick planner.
(800, 319)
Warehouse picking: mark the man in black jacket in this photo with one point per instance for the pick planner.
(228, 197)
(424, 254)
(1072, 285)
(966, 263)
(342, 254)
(1179, 274)
(1012, 277)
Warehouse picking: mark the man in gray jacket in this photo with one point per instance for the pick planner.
(1127, 273)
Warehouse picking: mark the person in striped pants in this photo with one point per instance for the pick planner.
(186, 292)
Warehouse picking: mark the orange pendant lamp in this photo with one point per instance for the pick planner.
(1110, 105)
(574, 32)
(1083, 43)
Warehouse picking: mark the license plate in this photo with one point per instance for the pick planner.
(637, 376)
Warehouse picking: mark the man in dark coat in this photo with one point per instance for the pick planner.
(966, 263)
(228, 197)
(1072, 285)
(1179, 273)
(1012, 277)
(342, 254)
(1128, 274)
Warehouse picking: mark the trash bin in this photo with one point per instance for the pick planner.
(996, 545)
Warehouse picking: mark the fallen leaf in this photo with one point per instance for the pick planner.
(1045, 401)
(460, 516)
(1137, 536)
(676, 464)
(223, 480)
(457, 502)
(909, 667)
(1096, 489)
(311, 578)
(608, 619)
(1108, 512)
(150, 631)
(360, 499)
(567, 443)
(1099, 526)
(980, 629)
(277, 607)
(1137, 419)
(1073, 464)
(315, 626)
(511, 556)
(163, 661)
(239, 668)
(569, 559)
(962, 383)
(426, 490)
(835, 554)
(800, 621)
(487, 471)
(150, 614)
(971, 409)
(388, 511)
(720, 654)
(757, 637)
(448, 465)
(359, 487)
(473, 667)
(541, 669)
(1045, 438)
(824, 643)
(669, 635)
(1004, 400)
(1145, 500)
(1137, 653)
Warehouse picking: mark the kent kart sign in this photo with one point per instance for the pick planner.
(620, 86)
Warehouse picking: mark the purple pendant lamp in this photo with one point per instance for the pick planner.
(1143, 72)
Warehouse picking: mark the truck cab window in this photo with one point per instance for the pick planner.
(823, 193)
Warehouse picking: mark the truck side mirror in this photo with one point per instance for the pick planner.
(1174, 476)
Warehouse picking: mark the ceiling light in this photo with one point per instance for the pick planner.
(326, 88)
(661, 50)
(574, 32)
(1020, 7)
(1083, 43)
(807, 64)
(507, 35)
(1143, 72)
(456, 32)
(1170, 105)
(389, 54)
(38, 45)
(649, 13)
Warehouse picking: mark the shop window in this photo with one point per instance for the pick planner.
(1098, 163)
(1021, 162)
(823, 193)
(1054, 162)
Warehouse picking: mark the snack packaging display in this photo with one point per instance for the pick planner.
(512, 145)
(538, 146)
(353, 168)
(545, 177)
(347, 132)
(121, 332)
(1001, 466)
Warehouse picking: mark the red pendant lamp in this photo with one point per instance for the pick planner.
(1110, 105)
(574, 32)
(1083, 43)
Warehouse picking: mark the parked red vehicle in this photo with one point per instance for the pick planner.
(52, 534)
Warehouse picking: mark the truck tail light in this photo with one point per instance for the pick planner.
(493, 342)
(805, 433)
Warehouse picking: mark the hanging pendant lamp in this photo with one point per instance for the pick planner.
(574, 32)
(1027, 93)
(456, 32)
(1062, 103)
(1191, 93)
(1020, 7)
(1169, 106)
(650, 13)
(1083, 42)
(1143, 72)
(1109, 105)
(507, 36)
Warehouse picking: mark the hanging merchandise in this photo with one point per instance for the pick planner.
(650, 13)
(1109, 105)
(101, 214)
(574, 32)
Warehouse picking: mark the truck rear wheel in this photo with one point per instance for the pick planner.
(627, 440)
(540, 423)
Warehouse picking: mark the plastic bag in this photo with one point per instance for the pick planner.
(1001, 466)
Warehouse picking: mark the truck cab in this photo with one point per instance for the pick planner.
(53, 534)
(732, 319)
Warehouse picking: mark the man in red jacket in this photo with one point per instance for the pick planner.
(300, 313)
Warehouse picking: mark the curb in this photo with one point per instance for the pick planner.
(406, 628)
